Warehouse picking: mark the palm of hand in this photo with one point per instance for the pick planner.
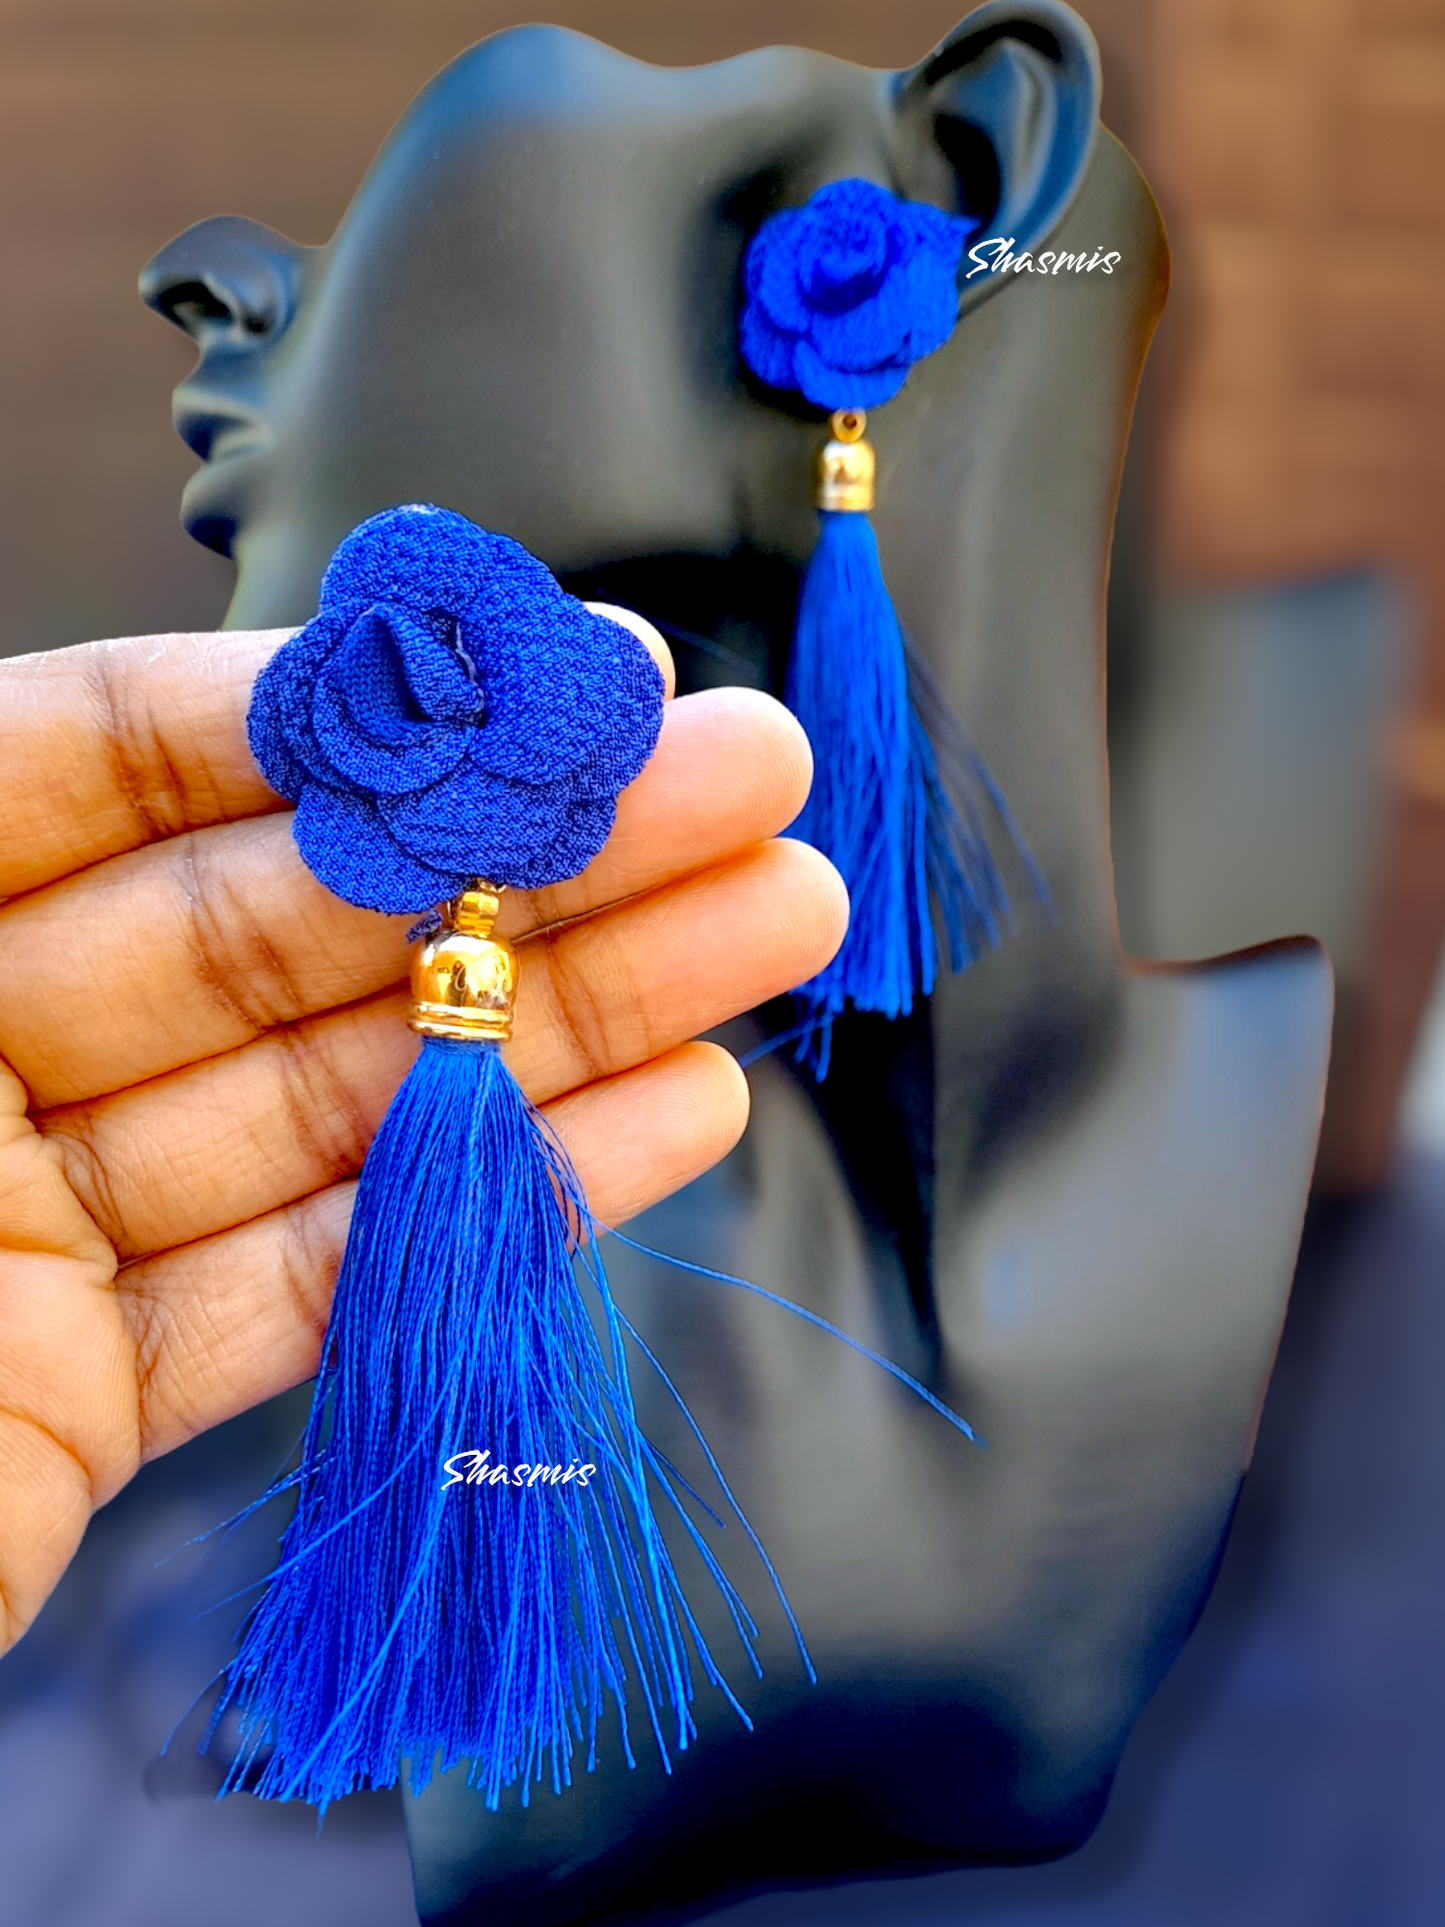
(197, 1042)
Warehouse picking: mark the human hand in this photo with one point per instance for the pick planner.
(198, 1041)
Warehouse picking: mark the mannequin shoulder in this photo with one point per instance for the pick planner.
(1155, 1221)
(1231, 1054)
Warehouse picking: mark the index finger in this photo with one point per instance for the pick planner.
(107, 746)
(110, 745)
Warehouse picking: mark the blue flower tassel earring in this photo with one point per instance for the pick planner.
(451, 722)
(841, 297)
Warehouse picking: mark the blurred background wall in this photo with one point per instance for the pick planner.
(1299, 149)
(1278, 609)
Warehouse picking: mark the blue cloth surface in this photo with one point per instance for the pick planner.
(450, 713)
(842, 296)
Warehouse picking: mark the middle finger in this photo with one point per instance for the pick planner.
(195, 946)
(218, 1143)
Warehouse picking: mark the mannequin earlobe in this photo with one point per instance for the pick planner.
(1000, 119)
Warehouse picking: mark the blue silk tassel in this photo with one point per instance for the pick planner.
(904, 831)
(418, 1614)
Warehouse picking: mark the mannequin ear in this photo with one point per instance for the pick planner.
(1000, 120)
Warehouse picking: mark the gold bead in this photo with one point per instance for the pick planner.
(843, 472)
(463, 979)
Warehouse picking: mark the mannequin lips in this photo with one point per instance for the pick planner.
(228, 437)
(216, 427)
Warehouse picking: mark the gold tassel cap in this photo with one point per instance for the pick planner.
(463, 979)
(843, 471)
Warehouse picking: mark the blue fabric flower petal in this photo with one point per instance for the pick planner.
(472, 815)
(619, 758)
(433, 666)
(421, 557)
(588, 826)
(853, 198)
(772, 270)
(927, 227)
(287, 690)
(266, 732)
(558, 679)
(451, 714)
(344, 841)
(829, 387)
(368, 723)
(914, 315)
(932, 302)
(369, 674)
(767, 350)
(843, 294)
(843, 262)
(518, 827)
(866, 337)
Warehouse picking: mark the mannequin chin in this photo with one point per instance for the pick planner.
(1066, 1192)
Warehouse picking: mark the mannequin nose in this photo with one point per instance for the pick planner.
(227, 282)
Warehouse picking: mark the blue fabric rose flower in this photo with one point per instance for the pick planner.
(450, 713)
(844, 295)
